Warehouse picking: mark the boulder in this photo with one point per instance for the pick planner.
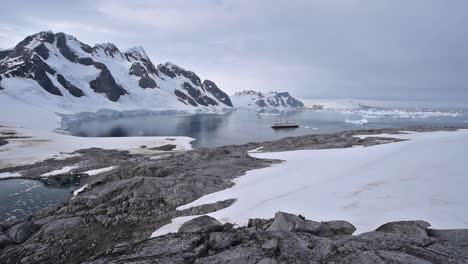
(292, 223)
(201, 224)
(61, 225)
(22, 231)
(5, 240)
(334, 228)
(408, 228)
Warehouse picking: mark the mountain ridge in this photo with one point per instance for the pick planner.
(250, 98)
(65, 67)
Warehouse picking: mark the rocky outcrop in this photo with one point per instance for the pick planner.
(201, 224)
(212, 88)
(193, 91)
(105, 83)
(112, 219)
(21, 231)
(292, 242)
(75, 91)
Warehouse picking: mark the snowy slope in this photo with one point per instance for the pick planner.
(252, 99)
(371, 185)
(59, 70)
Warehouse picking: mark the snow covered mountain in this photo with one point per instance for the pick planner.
(252, 99)
(59, 69)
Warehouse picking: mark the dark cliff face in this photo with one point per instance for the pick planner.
(217, 93)
(30, 59)
(195, 89)
(106, 84)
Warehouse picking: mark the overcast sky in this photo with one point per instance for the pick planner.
(389, 49)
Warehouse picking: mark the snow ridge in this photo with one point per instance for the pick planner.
(61, 71)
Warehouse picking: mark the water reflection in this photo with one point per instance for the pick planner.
(237, 127)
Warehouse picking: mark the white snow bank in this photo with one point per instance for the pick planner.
(38, 121)
(29, 150)
(9, 175)
(80, 190)
(255, 150)
(60, 171)
(365, 186)
(172, 227)
(356, 122)
(97, 171)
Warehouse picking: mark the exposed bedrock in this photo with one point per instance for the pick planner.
(289, 238)
(112, 219)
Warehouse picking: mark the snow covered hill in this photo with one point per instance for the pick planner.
(252, 99)
(59, 70)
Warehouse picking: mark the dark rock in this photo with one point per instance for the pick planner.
(292, 223)
(166, 71)
(85, 61)
(44, 81)
(333, 228)
(75, 91)
(42, 51)
(59, 226)
(185, 98)
(63, 47)
(167, 147)
(147, 82)
(109, 49)
(22, 231)
(4, 54)
(5, 240)
(105, 83)
(142, 194)
(201, 224)
(138, 70)
(409, 228)
(216, 92)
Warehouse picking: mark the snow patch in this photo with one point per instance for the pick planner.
(356, 122)
(255, 150)
(9, 175)
(97, 171)
(80, 190)
(173, 226)
(399, 181)
(63, 170)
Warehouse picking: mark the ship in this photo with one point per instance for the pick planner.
(284, 124)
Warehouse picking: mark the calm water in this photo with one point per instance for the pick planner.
(241, 126)
(19, 198)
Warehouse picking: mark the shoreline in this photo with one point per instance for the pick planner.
(142, 193)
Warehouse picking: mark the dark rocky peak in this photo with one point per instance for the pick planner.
(172, 70)
(108, 49)
(249, 92)
(136, 53)
(284, 94)
(4, 54)
(212, 88)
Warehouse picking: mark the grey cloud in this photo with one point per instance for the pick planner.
(345, 48)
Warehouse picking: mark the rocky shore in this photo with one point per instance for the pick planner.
(112, 218)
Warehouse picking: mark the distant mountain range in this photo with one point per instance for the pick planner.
(61, 68)
(253, 99)
(58, 70)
